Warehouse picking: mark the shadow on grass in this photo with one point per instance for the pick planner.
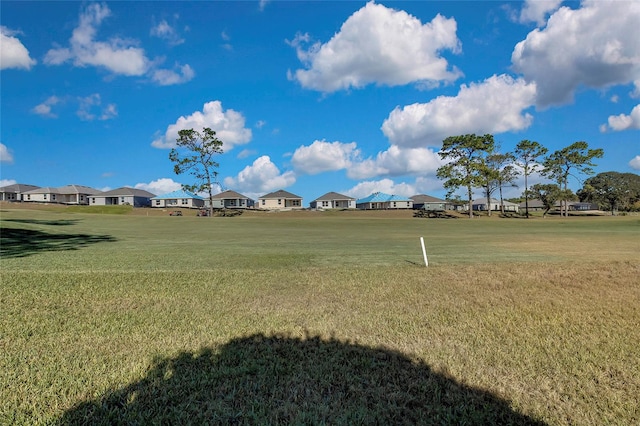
(283, 380)
(59, 222)
(26, 242)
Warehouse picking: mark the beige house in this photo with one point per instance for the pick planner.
(68, 194)
(280, 200)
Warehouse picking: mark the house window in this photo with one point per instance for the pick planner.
(45, 196)
(263, 201)
(28, 197)
(157, 202)
(279, 201)
(93, 200)
(122, 199)
(53, 197)
(185, 201)
(325, 204)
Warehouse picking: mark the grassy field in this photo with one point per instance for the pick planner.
(317, 318)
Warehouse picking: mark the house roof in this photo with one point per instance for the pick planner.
(43, 190)
(125, 190)
(18, 187)
(381, 197)
(78, 189)
(533, 203)
(281, 194)
(225, 195)
(333, 196)
(422, 198)
(178, 194)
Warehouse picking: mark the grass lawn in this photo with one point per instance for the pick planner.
(317, 318)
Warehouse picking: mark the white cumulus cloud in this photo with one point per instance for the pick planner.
(228, 125)
(388, 186)
(494, 106)
(118, 55)
(166, 77)
(5, 154)
(635, 162)
(396, 161)
(160, 186)
(595, 46)
(323, 156)
(13, 53)
(623, 121)
(7, 182)
(537, 10)
(260, 177)
(379, 45)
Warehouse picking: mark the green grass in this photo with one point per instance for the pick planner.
(318, 318)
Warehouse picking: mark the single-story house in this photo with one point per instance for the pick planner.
(15, 192)
(123, 196)
(68, 194)
(480, 204)
(180, 198)
(231, 200)
(427, 202)
(382, 201)
(581, 207)
(333, 200)
(534, 205)
(280, 200)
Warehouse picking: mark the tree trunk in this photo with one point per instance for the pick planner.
(488, 203)
(526, 197)
(469, 195)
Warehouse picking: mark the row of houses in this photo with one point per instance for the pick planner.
(278, 200)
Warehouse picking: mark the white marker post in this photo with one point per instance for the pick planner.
(424, 252)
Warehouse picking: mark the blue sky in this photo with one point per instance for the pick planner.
(310, 97)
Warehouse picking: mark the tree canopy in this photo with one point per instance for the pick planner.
(576, 157)
(612, 191)
(194, 155)
(464, 157)
(526, 157)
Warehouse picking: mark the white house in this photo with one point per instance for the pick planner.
(382, 201)
(177, 199)
(68, 194)
(333, 200)
(231, 200)
(15, 192)
(427, 202)
(123, 196)
(480, 204)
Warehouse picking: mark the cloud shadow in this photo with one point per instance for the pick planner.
(285, 380)
(15, 242)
